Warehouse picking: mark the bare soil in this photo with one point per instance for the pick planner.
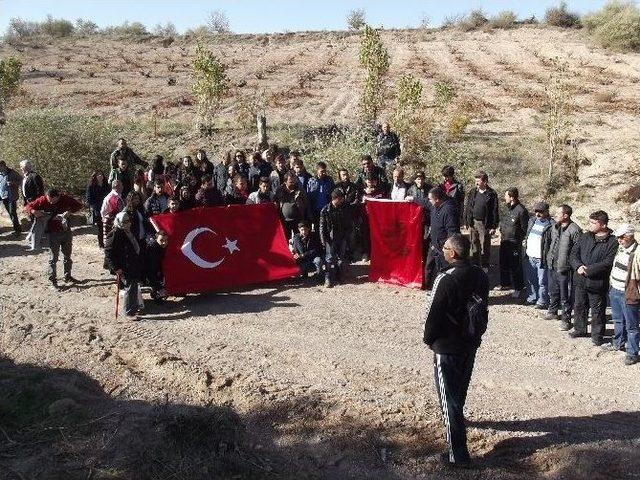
(289, 380)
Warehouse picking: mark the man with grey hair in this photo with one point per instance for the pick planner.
(32, 184)
(456, 318)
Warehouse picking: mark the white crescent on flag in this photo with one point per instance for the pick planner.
(187, 249)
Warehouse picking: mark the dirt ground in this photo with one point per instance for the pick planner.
(323, 383)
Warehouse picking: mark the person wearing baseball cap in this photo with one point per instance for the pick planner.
(537, 242)
(624, 307)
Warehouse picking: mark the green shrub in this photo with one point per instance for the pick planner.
(166, 30)
(474, 20)
(615, 26)
(505, 19)
(444, 92)
(19, 30)
(65, 147)
(86, 28)
(57, 27)
(127, 29)
(560, 16)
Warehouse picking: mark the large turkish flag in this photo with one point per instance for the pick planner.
(396, 242)
(214, 248)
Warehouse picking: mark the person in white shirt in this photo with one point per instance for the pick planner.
(400, 187)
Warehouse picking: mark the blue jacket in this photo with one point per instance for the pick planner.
(9, 192)
(319, 193)
(444, 222)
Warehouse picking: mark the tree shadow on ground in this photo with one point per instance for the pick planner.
(595, 436)
(60, 424)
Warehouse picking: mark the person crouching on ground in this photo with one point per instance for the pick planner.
(154, 255)
(335, 225)
(307, 250)
(122, 257)
(455, 319)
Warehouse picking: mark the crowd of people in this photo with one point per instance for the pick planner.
(545, 260)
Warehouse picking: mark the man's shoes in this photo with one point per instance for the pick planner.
(365, 257)
(576, 334)
(597, 342)
(327, 283)
(516, 294)
(565, 326)
(443, 459)
(53, 285)
(551, 316)
(540, 307)
(69, 279)
(610, 347)
(631, 359)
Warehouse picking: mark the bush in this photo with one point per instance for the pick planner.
(20, 29)
(616, 26)
(86, 28)
(166, 30)
(560, 16)
(57, 27)
(218, 22)
(474, 20)
(65, 147)
(356, 19)
(127, 29)
(505, 19)
(443, 92)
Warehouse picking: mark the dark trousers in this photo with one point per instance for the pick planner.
(290, 228)
(10, 206)
(452, 376)
(511, 264)
(597, 302)
(480, 243)
(561, 294)
(60, 241)
(433, 265)
(335, 258)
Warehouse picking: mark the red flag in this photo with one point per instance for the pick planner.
(396, 242)
(215, 248)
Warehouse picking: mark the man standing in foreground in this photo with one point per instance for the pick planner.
(456, 318)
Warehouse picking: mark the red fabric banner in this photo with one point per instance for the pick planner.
(213, 248)
(396, 242)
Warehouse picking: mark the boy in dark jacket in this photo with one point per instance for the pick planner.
(513, 228)
(153, 257)
(335, 226)
(591, 260)
(307, 250)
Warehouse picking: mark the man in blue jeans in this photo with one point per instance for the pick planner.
(623, 313)
(537, 243)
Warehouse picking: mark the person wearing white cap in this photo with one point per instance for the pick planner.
(624, 310)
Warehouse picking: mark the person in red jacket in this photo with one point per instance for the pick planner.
(57, 207)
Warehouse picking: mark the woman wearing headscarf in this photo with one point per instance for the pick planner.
(122, 257)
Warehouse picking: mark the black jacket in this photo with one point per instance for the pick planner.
(377, 172)
(350, 192)
(446, 310)
(491, 215)
(562, 241)
(131, 157)
(513, 226)
(597, 254)
(388, 146)
(335, 223)
(221, 176)
(263, 169)
(120, 254)
(308, 248)
(34, 187)
(95, 195)
(444, 222)
(153, 257)
(456, 192)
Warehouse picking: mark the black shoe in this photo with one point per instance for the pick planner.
(597, 341)
(69, 279)
(565, 326)
(540, 307)
(631, 359)
(576, 334)
(443, 458)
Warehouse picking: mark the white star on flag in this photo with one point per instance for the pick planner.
(231, 245)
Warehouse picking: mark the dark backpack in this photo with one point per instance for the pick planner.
(477, 309)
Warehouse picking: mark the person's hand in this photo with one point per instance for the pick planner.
(582, 270)
(38, 213)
